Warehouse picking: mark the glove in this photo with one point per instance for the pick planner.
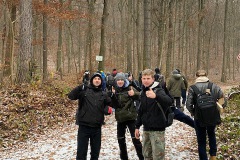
(110, 110)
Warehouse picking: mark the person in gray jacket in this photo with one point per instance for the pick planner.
(202, 84)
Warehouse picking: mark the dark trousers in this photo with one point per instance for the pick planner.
(121, 131)
(201, 139)
(85, 134)
(184, 96)
(177, 101)
(182, 117)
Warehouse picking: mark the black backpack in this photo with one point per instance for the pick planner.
(168, 115)
(206, 107)
(159, 78)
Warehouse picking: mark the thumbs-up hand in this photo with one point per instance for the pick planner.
(131, 92)
(113, 90)
(150, 94)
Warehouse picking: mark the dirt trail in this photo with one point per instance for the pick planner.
(60, 144)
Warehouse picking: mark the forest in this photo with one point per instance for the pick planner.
(46, 45)
(42, 38)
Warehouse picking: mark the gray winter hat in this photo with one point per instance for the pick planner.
(120, 76)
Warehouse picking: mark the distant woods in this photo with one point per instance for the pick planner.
(42, 37)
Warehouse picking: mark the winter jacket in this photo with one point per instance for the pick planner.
(202, 84)
(125, 109)
(175, 85)
(149, 114)
(185, 81)
(92, 105)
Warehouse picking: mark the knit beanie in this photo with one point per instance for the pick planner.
(96, 75)
(120, 76)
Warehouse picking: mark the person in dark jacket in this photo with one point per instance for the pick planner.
(202, 83)
(159, 77)
(151, 117)
(92, 105)
(125, 113)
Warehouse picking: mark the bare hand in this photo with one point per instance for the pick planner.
(113, 90)
(137, 133)
(150, 94)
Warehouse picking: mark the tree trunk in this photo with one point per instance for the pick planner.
(200, 33)
(147, 35)
(223, 77)
(103, 39)
(90, 35)
(45, 49)
(170, 38)
(8, 67)
(24, 58)
(59, 50)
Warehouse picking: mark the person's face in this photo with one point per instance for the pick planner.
(120, 82)
(147, 80)
(130, 78)
(97, 81)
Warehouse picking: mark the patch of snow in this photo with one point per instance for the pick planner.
(61, 144)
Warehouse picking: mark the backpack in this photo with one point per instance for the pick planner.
(206, 107)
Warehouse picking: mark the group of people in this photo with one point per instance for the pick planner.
(136, 104)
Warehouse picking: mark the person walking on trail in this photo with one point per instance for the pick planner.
(123, 97)
(158, 76)
(92, 105)
(151, 117)
(202, 84)
(184, 91)
(175, 86)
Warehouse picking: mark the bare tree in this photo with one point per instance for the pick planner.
(147, 35)
(103, 39)
(25, 50)
(59, 50)
(223, 77)
(45, 49)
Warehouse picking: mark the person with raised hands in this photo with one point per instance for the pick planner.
(93, 104)
(123, 97)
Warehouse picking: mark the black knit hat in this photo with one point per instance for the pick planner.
(157, 70)
(96, 75)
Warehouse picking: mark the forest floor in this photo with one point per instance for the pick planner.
(52, 132)
(60, 144)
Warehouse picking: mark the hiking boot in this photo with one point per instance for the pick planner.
(213, 158)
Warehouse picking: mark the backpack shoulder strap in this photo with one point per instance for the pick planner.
(210, 84)
(195, 90)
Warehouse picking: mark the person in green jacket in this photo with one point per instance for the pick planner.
(175, 86)
(123, 97)
(184, 91)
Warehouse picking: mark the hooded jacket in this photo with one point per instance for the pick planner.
(149, 114)
(175, 85)
(92, 103)
(123, 103)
